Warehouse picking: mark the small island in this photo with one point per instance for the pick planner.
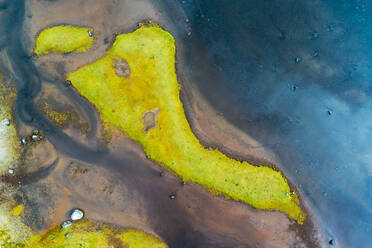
(64, 39)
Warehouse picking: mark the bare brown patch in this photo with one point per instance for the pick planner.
(149, 119)
(122, 68)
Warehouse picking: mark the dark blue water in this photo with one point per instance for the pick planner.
(297, 76)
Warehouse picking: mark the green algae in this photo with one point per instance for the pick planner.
(63, 39)
(152, 84)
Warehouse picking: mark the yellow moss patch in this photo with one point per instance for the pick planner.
(86, 234)
(152, 84)
(63, 39)
(60, 119)
(18, 210)
(138, 239)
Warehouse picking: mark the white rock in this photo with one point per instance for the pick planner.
(11, 171)
(5, 122)
(66, 224)
(77, 214)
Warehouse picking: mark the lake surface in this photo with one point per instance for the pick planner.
(296, 76)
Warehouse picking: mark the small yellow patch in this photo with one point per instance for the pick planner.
(64, 39)
(59, 118)
(18, 210)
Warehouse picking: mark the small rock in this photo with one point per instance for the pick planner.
(11, 171)
(36, 136)
(286, 193)
(315, 35)
(68, 83)
(90, 32)
(297, 60)
(66, 224)
(331, 242)
(67, 235)
(77, 214)
(24, 141)
(5, 122)
(172, 197)
(329, 112)
(99, 230)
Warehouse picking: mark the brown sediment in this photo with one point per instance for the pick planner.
(37, 156)
(122, 68)
(149, 119)
(60, 111)
(60, 209)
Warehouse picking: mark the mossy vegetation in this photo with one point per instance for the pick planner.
(18, 210)
(151, 83)
(60, 119)
(13, 232)
(9, 143)
(89, 235)
(64, 39)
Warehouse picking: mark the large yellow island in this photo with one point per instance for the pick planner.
(135, 87)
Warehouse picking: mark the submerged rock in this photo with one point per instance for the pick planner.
(331, 242)
(77, 214)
